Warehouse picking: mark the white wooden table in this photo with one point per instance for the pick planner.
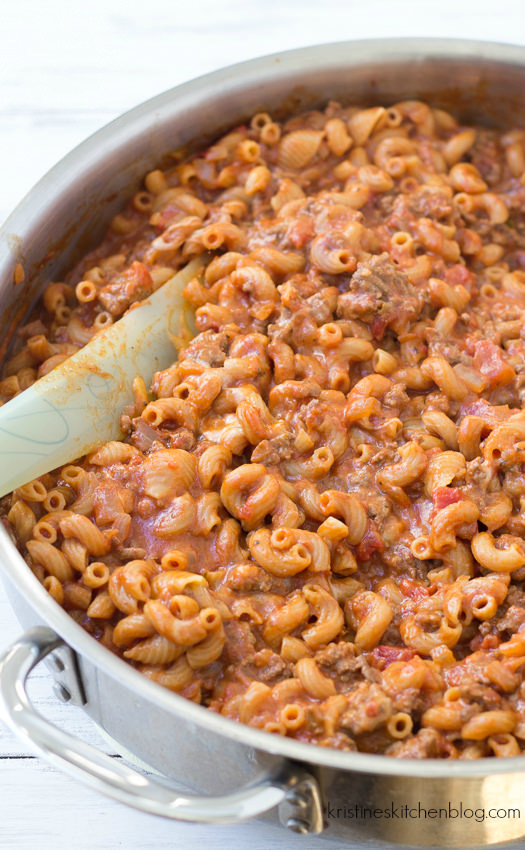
(67, 68)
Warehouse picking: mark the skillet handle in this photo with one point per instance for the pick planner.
(291, 784)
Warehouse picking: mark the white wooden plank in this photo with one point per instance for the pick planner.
(50, 810)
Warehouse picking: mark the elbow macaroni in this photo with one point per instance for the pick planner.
(315, 522)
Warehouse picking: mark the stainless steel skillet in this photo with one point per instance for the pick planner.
(317, 789)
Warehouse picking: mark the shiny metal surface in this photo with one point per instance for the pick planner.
(124, 783)
(479, 81)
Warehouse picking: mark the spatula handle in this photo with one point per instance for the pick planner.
(77, 405)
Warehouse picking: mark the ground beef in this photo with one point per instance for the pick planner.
(511, 234)
(485, 155)
(396, 397)
(426, 744)
(385, 204)
(514, 618)
(339, 659)
(411, 700)
(320, 305)
(427, 204)
(266, 453)
(516, 596)
(404, 210)
(179, 439)
(368, 708)
(240, 642)
(451, 349)
(400, 559)
(479, 474)
(339, 741)
(270, 452)
(381, 294)
(134, 284)
(268, 667)
(209, 348)
(485, 696)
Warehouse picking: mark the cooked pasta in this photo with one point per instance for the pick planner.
(315, 522)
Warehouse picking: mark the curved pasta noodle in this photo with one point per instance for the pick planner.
(496, 558)
(314, 520)
(350, 508)
(249, 493)
(328, 613)
(288, 551)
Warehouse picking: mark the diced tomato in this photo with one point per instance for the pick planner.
(301, 230)
(140, 275)
(482, 642)
(413, 589)
(492, 414)
(489, 361)
(444, 496)
(378, 327)
(371, 542)
(490, 642)
(459, 274)
(382, 656)
(163, 218)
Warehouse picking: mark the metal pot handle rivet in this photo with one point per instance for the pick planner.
(291, 782)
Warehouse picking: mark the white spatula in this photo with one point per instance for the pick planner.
(77, 405)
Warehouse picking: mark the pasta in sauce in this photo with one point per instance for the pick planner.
(315, 523)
